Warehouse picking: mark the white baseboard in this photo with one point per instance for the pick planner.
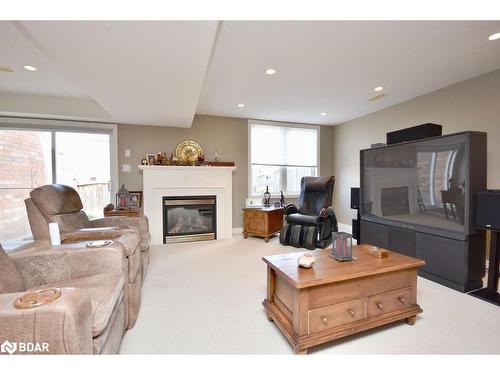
(237, 230)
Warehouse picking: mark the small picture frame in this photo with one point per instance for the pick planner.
(135, 199)
(151, 158)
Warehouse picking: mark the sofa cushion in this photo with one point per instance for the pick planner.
(105, 292)
(56, 199)
(11, 280)
(71, 222)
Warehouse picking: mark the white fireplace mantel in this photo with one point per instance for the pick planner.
(162, 181)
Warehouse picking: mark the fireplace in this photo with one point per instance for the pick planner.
(395, 201)
(189, 218)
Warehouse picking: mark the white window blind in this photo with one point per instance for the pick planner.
(280, 156)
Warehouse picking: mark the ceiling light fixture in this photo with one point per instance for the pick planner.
(241, 105)
(494, 36)
(323, 113)
(31, 68)
(378, 88)
(270, 71)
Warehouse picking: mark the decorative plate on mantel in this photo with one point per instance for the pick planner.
(188, 150)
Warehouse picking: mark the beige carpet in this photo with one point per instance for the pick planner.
(205, 297)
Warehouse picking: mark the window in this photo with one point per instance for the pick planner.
(435, 171)
(34, 157)
(87, 171)
(280, 156)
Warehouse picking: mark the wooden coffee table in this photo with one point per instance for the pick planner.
(335, 299)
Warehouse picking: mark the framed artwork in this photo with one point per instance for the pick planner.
(135, 199)
(151, 158)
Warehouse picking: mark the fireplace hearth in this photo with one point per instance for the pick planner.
(189, 218)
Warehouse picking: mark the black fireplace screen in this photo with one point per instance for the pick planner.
(189, 218)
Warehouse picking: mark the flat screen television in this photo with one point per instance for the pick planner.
(425, 185)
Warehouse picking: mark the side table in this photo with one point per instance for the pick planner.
(110, 210)
(262, 222)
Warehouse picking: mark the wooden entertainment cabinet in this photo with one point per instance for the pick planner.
(456, 264)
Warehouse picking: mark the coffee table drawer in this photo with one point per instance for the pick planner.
(336, 315)
(390, 301)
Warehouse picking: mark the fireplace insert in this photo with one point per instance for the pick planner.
(189, 218)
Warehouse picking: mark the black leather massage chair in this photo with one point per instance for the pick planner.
(311, 225)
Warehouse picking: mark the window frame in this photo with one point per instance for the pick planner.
(55, 125)
(285, 125)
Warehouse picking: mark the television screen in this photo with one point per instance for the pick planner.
(417, 183)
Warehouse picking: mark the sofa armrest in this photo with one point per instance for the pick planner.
(67, 261)
(94, 234)
(140, 222)
(63, 326)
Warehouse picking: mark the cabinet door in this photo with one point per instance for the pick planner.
(443, 257)
(402, 241)
(374, 234)
(254, 222)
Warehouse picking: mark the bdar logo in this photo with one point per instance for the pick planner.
(8, 347)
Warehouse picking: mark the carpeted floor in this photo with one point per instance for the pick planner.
(205, 298)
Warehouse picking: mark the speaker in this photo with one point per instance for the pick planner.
(355, 198)
(415, 132)
(356, 229)
(488, 210)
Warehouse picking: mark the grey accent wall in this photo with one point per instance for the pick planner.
(229, 136)
(469, 105)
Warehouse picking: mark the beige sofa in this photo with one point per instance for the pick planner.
(61, 204)
(89, 316)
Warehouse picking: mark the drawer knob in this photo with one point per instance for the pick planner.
(324, 319)
(351, 311)
(379, 305)
(402, 299)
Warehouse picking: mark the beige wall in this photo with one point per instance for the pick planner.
(470, 105)
(229, 136)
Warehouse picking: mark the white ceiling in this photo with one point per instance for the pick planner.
(333, 67)
(163, 72)
(144, 72)
(17, 50)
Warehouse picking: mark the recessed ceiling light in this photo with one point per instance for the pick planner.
(6, 69)
(323, 113)
(378, 88)
(31, 68)
(270, 71)
(241, 105)
(494, 36)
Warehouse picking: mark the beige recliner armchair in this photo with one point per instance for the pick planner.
(127, 244)
(124, 242)
(88, 317)
(61, 204)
